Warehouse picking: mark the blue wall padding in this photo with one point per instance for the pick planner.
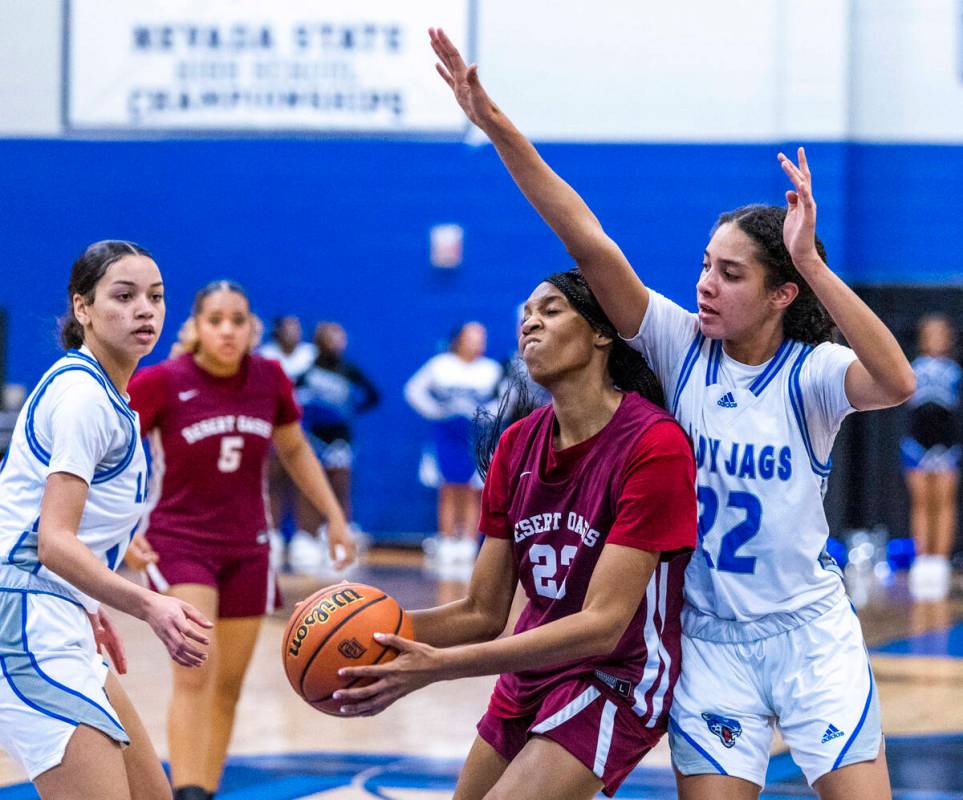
(332, 229)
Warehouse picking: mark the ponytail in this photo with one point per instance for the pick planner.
(85, 274)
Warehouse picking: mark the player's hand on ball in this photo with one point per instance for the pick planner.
(171, 619)
(140, 553)
(462, 79)
(416, 666)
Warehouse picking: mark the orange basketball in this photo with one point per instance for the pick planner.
(332, 629)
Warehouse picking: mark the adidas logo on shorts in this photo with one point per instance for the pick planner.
(727, 401)
(832, 732)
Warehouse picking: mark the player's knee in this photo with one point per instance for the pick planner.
(193, 680)
(227, 693)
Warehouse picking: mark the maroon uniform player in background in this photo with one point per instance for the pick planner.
(213, 412)
(589, 504)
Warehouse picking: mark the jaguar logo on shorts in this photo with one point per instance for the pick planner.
(352, 648)
(728, 730)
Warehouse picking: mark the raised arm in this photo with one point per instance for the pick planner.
(620, 291)
(881, 376)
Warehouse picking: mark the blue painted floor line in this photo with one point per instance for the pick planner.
(947, 642)
(922, 768)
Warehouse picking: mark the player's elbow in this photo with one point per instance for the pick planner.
(488, 623)
(897, 389)
(48, 553)
(904, 386)
(289, 448)
(495, 625)
(606, 632)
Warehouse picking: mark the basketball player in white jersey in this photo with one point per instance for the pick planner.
(769, 636)
(72, 487)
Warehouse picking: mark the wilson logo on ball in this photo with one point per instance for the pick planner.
(321, 613)
(352, 648)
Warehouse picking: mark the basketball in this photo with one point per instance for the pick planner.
(333, 628)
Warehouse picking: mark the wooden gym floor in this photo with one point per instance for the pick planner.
(282, 748)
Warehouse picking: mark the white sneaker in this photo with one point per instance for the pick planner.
(916, 578)
(449, 551)
(430, 547)
(304, 554)
(942, 577)
(467, 550)
(929, 578)
(276, 542)
(361, 539)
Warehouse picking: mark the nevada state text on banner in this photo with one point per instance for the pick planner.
(244, 65)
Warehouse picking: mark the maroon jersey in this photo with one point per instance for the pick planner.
(212, 437)
(631, 484)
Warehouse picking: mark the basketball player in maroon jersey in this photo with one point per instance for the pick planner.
(590, 504)
(214, 411)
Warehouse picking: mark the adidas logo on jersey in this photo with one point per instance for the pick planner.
(832, 732)
(727, 401)
(185, 396)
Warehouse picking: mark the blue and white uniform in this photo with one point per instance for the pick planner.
(448, 391)
(74, 421)
(933, 442)
(769, 636)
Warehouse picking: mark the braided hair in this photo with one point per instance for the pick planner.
(805, 320)
(629, 370)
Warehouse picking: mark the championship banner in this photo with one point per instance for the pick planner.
(363, 66)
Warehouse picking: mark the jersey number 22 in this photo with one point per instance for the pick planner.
(735, 537)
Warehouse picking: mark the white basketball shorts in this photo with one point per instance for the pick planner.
(53, 678)
(814, 682)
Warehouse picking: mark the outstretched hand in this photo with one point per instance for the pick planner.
(799, 229)
(416, 666)
(174, 621)
(462, 79)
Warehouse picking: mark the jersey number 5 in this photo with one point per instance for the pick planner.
(735, 537)
(545, 565)
(230, 458)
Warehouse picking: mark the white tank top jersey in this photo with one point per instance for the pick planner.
(762, 437)
(74, 421)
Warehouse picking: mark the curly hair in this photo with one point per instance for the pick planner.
(805, 320)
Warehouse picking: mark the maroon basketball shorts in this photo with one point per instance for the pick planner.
(246, 583)
(604, 734)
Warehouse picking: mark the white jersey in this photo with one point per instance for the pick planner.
(762, 436)
(937, 381)
(295, 363)
(74, 421)
(448, 386)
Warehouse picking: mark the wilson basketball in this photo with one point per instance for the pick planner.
(332, 629)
